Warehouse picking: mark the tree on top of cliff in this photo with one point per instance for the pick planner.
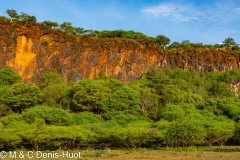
(32, 19)
(162, 40)
(23, 16)
(79, 30)
(27, 18)
(12, 13)
(175, 44)
(186, 42)
(2, 18)
(67, 27)
(228, 42)
(50, 24)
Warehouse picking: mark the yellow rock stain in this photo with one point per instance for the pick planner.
(25, 58)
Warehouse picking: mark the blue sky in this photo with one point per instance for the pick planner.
(206, 21)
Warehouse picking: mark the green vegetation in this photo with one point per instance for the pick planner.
(26, 18)
(8, 77)
(67, 27)
(50, 24)
(45, 42)
(12, 13)
(22, 17)
(228, 42)
(174, 108)
(162, 40)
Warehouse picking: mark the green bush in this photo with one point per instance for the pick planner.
(186, 131)
(45, 42)
(52, 116)
(8, 77)
(84, 118)
(86, 94)
(172, 112)
(7, 120)
(125, 119)
(124, 99)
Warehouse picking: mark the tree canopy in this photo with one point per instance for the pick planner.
(12, 13)
(162, 40)
(50, 24)
(228, 42)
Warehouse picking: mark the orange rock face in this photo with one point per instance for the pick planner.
(32, 49)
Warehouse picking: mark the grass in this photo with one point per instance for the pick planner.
(188, 153)
(45, 42)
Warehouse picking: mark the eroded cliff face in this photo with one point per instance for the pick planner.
(32, 49)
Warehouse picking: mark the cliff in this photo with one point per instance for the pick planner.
(32, 49)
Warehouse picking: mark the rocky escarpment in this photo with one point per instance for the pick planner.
(32, 49)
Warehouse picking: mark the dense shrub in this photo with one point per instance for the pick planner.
(165, 108)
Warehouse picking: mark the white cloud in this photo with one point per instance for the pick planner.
(161, 10)
(176, 13)
(237, 10)
(187, 13)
